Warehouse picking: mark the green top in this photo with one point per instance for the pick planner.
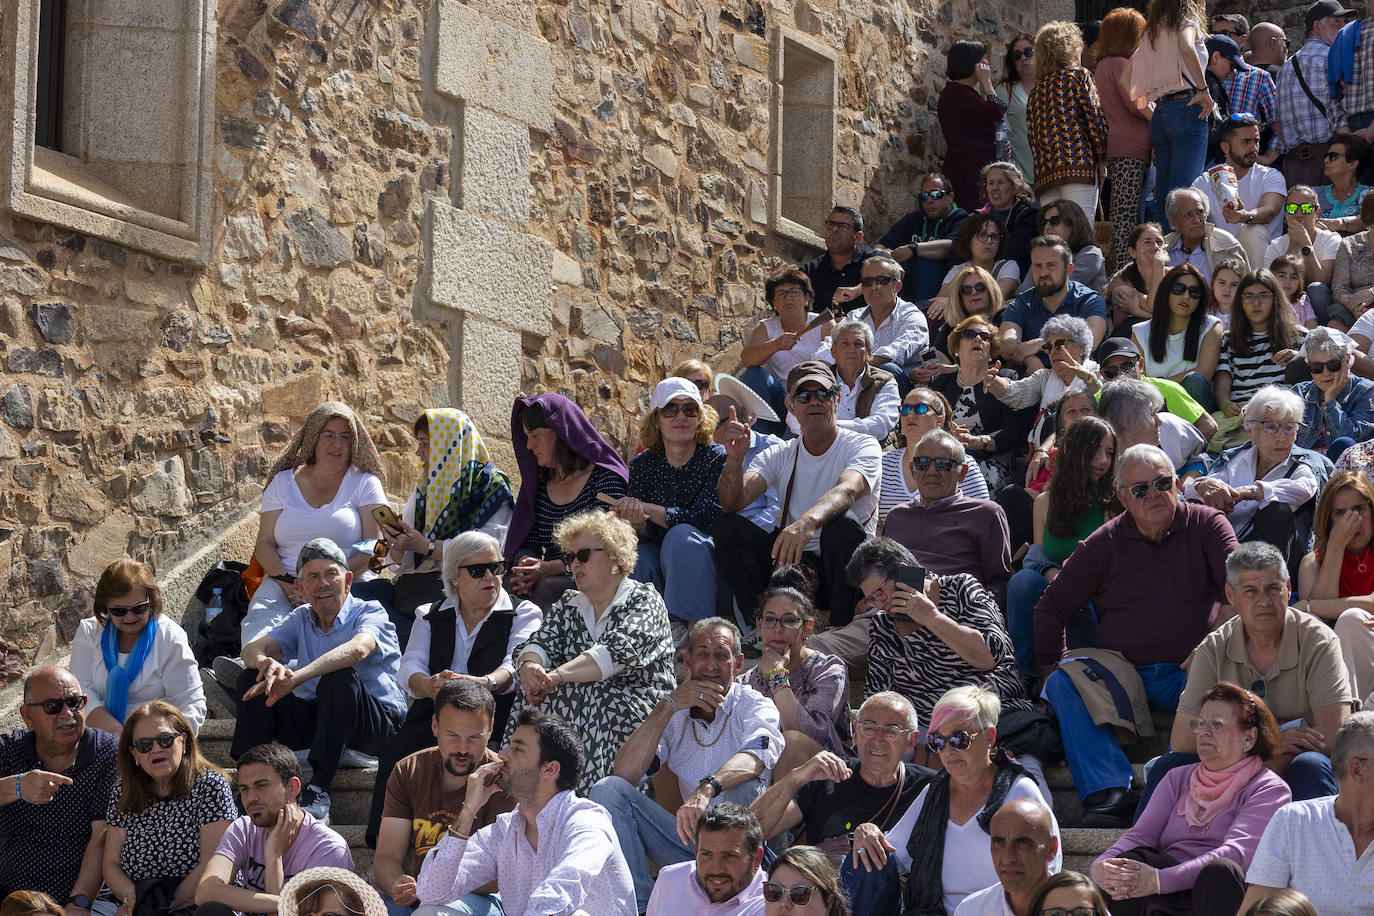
(1059, 548)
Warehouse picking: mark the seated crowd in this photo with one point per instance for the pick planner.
(1028, 485)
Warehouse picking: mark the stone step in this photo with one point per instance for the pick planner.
(362, 856)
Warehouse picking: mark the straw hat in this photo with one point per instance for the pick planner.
(312, 879)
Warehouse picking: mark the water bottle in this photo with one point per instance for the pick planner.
(216, 605)
(1002, 141)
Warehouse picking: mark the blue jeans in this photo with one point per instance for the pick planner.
(1023, 592)
(770, 389)
(872, 893)
(1197, 386)
(1095, 758)
(683, 569)
(1338, 447)
(1179, 139)
(467, 905)
(1308, 776)
(647, 832)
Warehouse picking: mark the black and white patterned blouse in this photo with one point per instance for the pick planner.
(688, 493)
(922, 667)
(547, 513)
(163, 840)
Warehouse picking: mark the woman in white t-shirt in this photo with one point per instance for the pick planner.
(1182, 341)
(779, 342)
(325, 484)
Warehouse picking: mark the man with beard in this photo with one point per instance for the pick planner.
(1024, 844)
(555, 853)
(427, 791)
(725, 875)
(1256, 216)
(270, 844)
(1053, 294)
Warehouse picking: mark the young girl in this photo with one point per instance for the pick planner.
(1225, 278)
(1292, 276)
(1264, 338)
(1182, 339)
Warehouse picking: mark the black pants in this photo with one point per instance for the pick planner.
(1220, 887)
(213, 909)
(743, 557)
(1018, 504)
(343, 714)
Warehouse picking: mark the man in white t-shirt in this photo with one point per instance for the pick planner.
(1324, 847)
(1024, 846)
(827, 480)
(1255, 217)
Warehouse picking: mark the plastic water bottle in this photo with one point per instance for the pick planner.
(212, 610)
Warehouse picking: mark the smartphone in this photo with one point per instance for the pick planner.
(913, 577)
(386, 518)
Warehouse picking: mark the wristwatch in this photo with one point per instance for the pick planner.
(80, 900)
(713, 782)
(1306, 250)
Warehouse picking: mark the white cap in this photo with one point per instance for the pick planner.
(671, 389)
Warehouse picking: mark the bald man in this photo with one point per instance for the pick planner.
(1268, 47)
(1023, 846)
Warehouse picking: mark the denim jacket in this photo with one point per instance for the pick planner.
(1351, 414)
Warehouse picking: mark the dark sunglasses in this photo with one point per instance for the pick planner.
(930, 195)
(1059, 344)
(1333, 155)
(975, 334)
(54, 706)
(1027, 53)
(1303, 207)
(480, 570)
(1114, 371)
(821, 394)
(919, 409)
(800, 894)
(164, 741)
(1329, 366)
(1054, 220)
(924, 463)
(701, 383)
(979, 287)
(580, 556)
(687, 410)
(883, 280)
(1184, 289)
(1160, 484)
(137, 609)
(960, 741)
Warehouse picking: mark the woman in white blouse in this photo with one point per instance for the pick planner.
(128, 654)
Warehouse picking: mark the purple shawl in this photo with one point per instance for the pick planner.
(566, 419)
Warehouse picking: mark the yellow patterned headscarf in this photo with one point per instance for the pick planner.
(461, 481)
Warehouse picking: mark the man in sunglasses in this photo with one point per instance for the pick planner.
(899, 334)
(1156, 575)
(844, 256)
(1255, 217)
(1118, 357)
(340, 690)
(55, 782)
(1317, 247)
(725, 875)
(923, 240)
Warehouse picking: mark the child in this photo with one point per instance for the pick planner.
(1225, 278)
(1292, 276)
(1263, 340)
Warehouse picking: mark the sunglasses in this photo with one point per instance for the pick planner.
(54, 706)
(820, 394)
(701, 383)
(925, 462)
(883, 280)
(1305, 207)
(975, 334)
(1054, 220)
(1114, 371)
(930, 195)
(791, 622)
(687, 410)
(1059, 344)
(1160, 484)
(970, 289)
(164, 741)
(137, 609)
(1333, 155)
(1024, 53)
(960, 741)
(799, 894)
(1329, 366)
(581, 556)
(1185, 289)
(920, 410)
(480, 570)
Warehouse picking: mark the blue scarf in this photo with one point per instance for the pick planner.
(118, 680)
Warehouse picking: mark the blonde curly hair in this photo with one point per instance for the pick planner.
(1058, 45)
(614, 533)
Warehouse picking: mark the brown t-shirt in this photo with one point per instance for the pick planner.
(415, 792)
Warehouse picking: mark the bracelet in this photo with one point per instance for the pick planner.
(18, 777)
(778, 681)
(456, 834)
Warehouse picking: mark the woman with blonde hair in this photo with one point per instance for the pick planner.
(1068, 132)
(698, 373)
(30, 903)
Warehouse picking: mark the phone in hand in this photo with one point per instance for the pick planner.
(386, 518)
(914, 578)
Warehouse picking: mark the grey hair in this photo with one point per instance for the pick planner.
(940, 437)
(898, 702)
(1129, 403)
(854, 324)
(1142, 453)
(1069, 326)
(715, 623)
(877, 556)
(457, 549)
(1171, 202)
(1326, 340)
(1275, 399)
(887, 259)
(1254, 556)
(1355, 739)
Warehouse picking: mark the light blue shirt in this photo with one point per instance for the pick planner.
(300, 637)
(764, 510)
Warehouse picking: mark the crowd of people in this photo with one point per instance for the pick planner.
(1020, 475)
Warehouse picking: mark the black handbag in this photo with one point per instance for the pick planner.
(154, 896)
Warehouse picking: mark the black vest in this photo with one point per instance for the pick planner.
(488, 652)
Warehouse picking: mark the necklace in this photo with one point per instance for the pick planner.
(712, 742)
(1362, 559)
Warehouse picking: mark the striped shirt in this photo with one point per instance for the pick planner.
(1250, 373)
(1299, 120)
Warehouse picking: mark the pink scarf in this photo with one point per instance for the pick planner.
(1211, 791)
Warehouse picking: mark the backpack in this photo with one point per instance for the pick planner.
(221, 635)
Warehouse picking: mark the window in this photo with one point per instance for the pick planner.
(804, 170)
(52, 28)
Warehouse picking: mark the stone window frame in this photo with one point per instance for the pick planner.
(48, 186)
(782, 212)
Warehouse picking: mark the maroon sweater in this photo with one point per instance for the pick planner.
(1154, 602)
(956, 535)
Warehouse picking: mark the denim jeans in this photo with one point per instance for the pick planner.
(1095, 758)
(683, 569)
(1023, 592)
(647, 832)
(904, 382)
(770, 389)
(1179, 138)
(467, 905)
(872, 893)
(1197, 386)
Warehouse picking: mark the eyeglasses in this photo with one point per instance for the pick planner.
(54, 706)
(1121, 369)
(1027, 53)
(1186, 289)
(1304, 207)
(870, 729)
(335, 437)
(790, 292)
(1270, 428)
(925, 462)
(480, 570)
(919, 410)
(1210, 726)
(136, 609)
(959, 741)
(1333, 365)
(836, 224)
(688, 410)
(1054, 220)
(930, 195)
(883, 280)
(1257, 298)
(581, 556)
(800, 894)
(164, 741)
(988, 237)
(1333, 155)
(975, 334)
(790, 622)
(970, 289)
(820, 394)
(1160, 484)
